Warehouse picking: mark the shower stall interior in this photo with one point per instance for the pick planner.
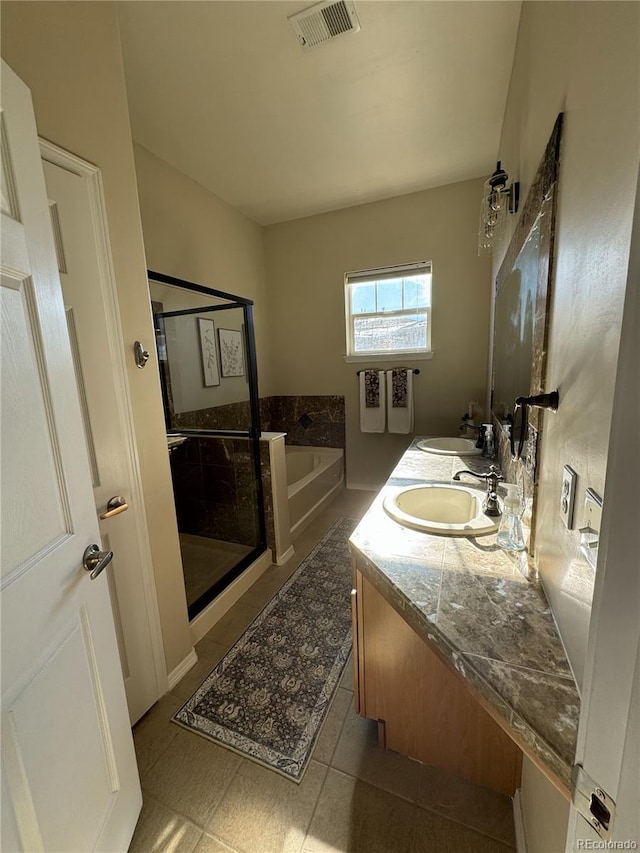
(206, 354)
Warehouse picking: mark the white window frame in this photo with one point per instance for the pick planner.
(363, 276)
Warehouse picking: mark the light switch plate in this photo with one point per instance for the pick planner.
(568, 496)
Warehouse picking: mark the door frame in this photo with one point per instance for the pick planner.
(106, 284)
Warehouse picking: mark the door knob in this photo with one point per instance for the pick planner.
(95, 561)
(115, 506)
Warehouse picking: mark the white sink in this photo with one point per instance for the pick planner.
(450, 446)
(446, 510)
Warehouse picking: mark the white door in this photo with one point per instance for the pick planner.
(69, 776)
(89, 295)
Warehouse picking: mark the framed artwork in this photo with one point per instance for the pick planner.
(231, 352)
(210, 371)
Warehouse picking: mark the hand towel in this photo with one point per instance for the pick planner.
(400, 404)
(372, 418)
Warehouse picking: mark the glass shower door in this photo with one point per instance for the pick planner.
(207, 365)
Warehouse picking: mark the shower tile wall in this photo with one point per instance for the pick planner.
(231, 416)
(213, 477)
(214, 489)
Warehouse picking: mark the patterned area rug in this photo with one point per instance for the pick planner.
(269, 695)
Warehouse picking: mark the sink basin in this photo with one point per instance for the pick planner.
(446, 510)
(450, 446)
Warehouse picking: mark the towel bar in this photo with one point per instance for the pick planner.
(415, 372)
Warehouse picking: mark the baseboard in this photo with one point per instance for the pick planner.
(518, 819)
(182, 669)
(364, 487)
(288, 554)
(215, 611)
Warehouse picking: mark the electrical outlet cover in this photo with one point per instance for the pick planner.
(568, 496)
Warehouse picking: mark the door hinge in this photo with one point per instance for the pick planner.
(592, 802)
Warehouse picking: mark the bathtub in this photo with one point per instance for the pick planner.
(313, 475)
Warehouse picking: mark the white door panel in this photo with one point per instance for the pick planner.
(28, 431)
(38, 709)
(69, 774)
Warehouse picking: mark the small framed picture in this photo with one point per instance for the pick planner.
(210, 371)
(231, 352)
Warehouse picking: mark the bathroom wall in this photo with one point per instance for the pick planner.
(68, 54)
(545, 812)
(306, 262)
(192, 234)
(580, 58)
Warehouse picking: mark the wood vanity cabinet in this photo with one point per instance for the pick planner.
(423, 707)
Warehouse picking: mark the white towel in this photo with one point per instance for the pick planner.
(400, 420)
(372, 420)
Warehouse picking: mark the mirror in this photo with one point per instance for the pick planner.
(521, 311)
(202, 340)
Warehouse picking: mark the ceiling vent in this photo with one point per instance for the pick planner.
(324, 22)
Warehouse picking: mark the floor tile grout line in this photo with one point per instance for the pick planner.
(315, 807)
(465, 825)
(415, 802)
(224, 794)
(343, 724)
(157, 758)
(146, 796)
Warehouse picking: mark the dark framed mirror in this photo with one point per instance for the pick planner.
(521, 312)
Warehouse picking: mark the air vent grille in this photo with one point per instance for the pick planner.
(324, 22)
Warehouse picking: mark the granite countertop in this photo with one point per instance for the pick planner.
(473, 602)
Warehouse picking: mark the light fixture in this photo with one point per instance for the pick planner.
(497, 201)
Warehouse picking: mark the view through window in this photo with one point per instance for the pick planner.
(389, 310)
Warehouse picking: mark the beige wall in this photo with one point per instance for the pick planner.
(580, 58)
(589, 69)
(306, 262)
(192, 234)
(545, 812)
(69, 56)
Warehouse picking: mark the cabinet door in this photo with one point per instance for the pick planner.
(429, 713)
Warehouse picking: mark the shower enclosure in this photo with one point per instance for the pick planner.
(206, 354)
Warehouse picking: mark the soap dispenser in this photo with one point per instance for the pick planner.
(510, 536)
(488, 448)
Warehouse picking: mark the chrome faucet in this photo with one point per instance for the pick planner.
(490, 505)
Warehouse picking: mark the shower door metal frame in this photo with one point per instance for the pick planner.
(253, 433)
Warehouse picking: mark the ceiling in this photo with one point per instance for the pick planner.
(223, 92)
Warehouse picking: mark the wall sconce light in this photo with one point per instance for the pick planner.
(497, 201)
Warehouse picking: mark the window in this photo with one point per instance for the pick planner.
(388, 311)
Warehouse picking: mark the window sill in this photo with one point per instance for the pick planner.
(420, 355)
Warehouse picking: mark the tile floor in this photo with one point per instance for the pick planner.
(201, 798)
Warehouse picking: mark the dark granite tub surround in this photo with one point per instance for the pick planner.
(474, 603)
(267, 491)
(308, 420)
